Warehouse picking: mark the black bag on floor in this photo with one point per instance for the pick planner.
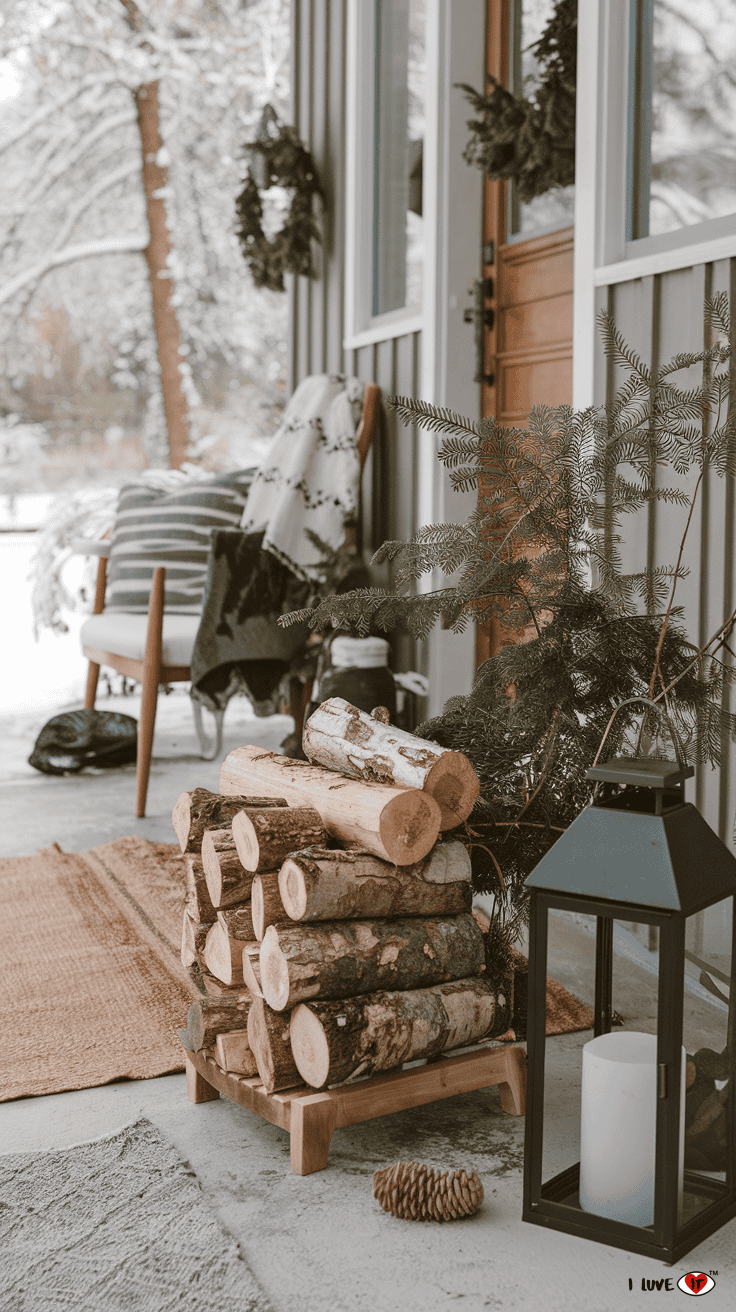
(78, 738)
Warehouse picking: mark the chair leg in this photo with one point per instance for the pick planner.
(93, 671)
(90, 693)
(151, 680)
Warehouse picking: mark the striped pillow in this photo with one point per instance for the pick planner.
(155, 527)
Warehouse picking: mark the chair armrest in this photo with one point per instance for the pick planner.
(90, 546)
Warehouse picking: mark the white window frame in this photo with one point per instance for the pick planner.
(362, 327)
(603, 256)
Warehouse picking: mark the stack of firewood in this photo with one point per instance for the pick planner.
(330, 910)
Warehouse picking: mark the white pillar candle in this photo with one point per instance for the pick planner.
(618, 1120)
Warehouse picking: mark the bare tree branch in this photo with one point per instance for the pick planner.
(84, 251)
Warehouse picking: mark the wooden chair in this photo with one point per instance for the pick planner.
(157, 648)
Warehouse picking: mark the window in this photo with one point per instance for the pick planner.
(385, 265)
(682, 115)
(555, 209)
(400, 72)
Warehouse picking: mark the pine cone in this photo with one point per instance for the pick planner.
(418, 1193)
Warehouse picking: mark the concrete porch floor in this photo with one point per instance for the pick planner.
(321, 1243)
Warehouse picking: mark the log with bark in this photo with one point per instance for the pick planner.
(268, 1036)
(209, 1017)
(264, 836)
(399, 825)
(252, 969)
(214, 988)
(198, 900)
(200, 810)
(233, 1053)
(228, 883)
(362, 746)
(223, 955)
(336, 1041)
(238, 922)
(193, 935)
(266, 904)
(341, 958)
(336, 885)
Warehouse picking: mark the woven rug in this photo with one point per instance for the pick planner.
(119, 1224)
(89, 946)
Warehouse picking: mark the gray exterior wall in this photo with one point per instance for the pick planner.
(317, 306)
(659, 316)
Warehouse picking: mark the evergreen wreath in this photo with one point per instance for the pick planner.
(278, 158)
(531, 140)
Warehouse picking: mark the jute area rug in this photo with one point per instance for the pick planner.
(93, 986)
(119, 1224)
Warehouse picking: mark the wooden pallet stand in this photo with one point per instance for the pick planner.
(311, 1116)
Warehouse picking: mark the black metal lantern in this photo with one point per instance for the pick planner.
(633, 1141)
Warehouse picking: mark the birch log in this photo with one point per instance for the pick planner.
(227, 882)
(252, 969)
(337, 885)
(339, 959)
(198, 900)
(265, 835)
(266, 904)
(233, 1053)
(336, 1041)
(223, 956)
(351, 742)
(270, 1043)
(200, 810)
(399, 825)
(212, 1016)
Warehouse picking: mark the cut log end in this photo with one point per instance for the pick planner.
(455, 786)
(409, 825)
(274, 971)
(309, 1046)
(293, 889)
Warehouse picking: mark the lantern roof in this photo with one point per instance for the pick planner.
(644, 772)
(671, 862)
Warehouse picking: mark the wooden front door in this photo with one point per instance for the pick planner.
(528, 265)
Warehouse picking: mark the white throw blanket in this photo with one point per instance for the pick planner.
(309, 478)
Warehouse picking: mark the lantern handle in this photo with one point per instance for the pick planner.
(679, 753)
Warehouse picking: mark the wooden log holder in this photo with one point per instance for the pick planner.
(310, 1116)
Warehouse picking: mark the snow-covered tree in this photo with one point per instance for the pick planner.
(125, 141)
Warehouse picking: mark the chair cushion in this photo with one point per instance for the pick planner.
(125, 635)
(171, 528)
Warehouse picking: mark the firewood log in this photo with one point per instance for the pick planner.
(351, 742)
(200, 810)
(335, 885)
(398, 824)
(268, 1036)
(238, 922)
(252, 969)
(215, 988)
(223, 955)
(340, 958)
(335, 1041)
(209, 1017)
(264, 836)
(193, 935)
(198, 900)
(228, 883)
(233, 1053)
(267, 907)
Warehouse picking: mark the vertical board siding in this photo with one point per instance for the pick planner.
(659, 316)
(317, 329)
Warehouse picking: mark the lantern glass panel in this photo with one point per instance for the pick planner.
(709, 1075)
(600, 1102)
